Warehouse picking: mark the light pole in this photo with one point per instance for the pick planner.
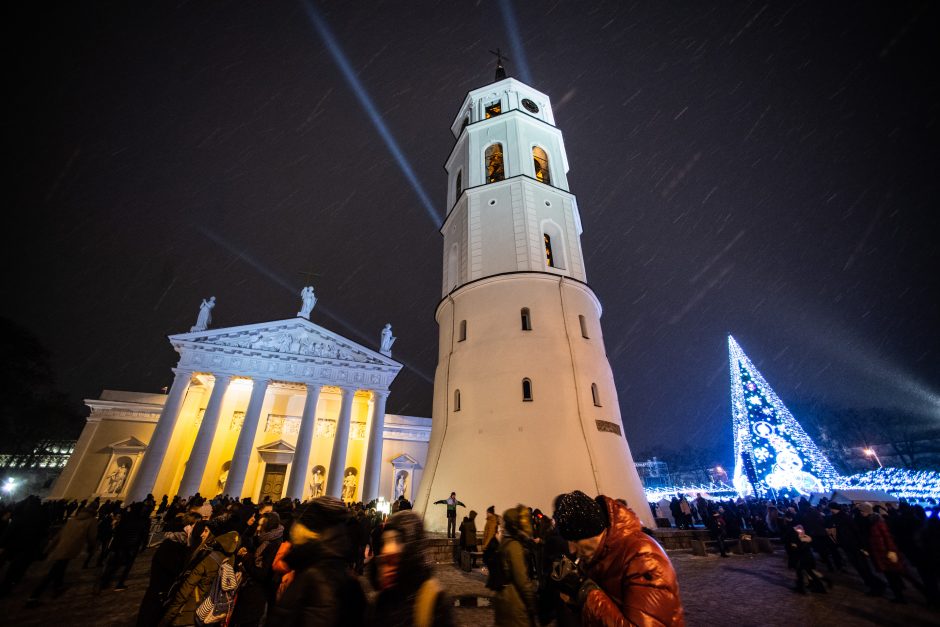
(870, 452)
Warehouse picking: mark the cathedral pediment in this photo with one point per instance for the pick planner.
(297, 338)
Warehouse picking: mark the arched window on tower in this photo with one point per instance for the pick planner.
(526, 390)
(526, 319)
(540, 160)
(463, 331)
(494, 163)
(458, 185)
(596, 395)
(554, 245)
(456, 400)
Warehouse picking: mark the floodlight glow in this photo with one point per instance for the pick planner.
(339, 57)
(9, 486)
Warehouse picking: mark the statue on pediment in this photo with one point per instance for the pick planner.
(308, 301)
(205, 315)
(387, 340)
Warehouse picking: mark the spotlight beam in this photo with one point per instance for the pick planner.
(515, 41)
(339, 57)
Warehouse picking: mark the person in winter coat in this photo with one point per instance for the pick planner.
(629, 578)
(800, 551)
(490, 543)
(884, 553)
(168, 563)
(324, 591)
(849, 539)
(124, 546)
(468, 532)
(78, 533)
(259, 589)
(402, 573)
(197, 583)
(516, 599)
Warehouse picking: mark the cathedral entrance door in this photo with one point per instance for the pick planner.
(273, 483)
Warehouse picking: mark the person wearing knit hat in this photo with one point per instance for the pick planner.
(627, 576)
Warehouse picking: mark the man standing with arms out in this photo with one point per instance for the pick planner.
(451, 502)
(625, 576)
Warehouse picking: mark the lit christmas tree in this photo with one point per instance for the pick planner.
(785, 460)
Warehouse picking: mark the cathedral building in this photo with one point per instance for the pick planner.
(285, 408)
(525, 405)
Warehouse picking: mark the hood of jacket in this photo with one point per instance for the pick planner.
(228, 542)
(634, 571)
(416, 564)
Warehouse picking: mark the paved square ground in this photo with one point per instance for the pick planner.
(741, 590)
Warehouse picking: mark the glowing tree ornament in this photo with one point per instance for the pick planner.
(785, 459)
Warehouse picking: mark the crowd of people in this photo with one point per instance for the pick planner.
(326, 562)
(889, 546)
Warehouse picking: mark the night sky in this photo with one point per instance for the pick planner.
(767, 170)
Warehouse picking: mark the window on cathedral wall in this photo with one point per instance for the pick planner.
(458, 185)
(526, 319)
(595, 395)
(526, 390)
(456, 400)
(583, 322)
(494, 164)
(462, 335)
(540, 161)
(493, 109)
(549, 256)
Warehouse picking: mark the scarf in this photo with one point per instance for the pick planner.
(266, 538)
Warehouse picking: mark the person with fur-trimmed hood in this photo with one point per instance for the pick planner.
(324, 591)
(625, 576)
(402, 572)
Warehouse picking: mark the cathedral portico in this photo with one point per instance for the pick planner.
(284, 408)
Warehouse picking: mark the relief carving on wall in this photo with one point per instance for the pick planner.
(292, 341)
(279, 423)
(324, 428)
(238, 419)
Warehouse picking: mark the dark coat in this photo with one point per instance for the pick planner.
(324, 591)
(637, 581)
(396, 604)
(168, 562)
(197, 584)
(260, 586)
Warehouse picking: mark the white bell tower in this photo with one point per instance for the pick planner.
(525, 406)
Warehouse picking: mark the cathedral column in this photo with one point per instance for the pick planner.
(156, 450)
(246, 438)
(373, 471)
(334, 481)
(301, 463)
(199, 456)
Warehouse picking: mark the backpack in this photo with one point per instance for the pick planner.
(221, 600)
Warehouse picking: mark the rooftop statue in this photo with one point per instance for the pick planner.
(387, 340)
(309, 300)
(205, 315)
